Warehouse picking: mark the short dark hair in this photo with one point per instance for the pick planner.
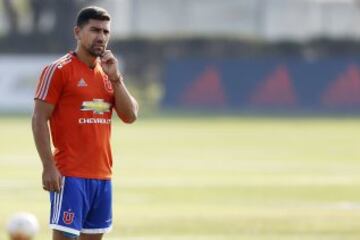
(91, 12)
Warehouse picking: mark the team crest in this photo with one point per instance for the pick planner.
(68, 217)
(107, 84)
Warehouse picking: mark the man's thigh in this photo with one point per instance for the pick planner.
(58, 235)
(84, 236)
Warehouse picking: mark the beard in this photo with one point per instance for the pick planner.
(95, 51)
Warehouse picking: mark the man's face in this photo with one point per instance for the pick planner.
(94, 36)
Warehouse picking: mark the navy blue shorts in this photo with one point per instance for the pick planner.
(82, 206)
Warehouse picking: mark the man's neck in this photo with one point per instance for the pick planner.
(85, 57)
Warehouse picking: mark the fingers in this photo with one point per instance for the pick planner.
(107, 56)
(106, 59)
(106, 53)
(51, 179)
(52, 185)
(46, 186)
(59, 184)
(56, 186)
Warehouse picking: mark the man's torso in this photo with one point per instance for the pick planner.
(81, 121)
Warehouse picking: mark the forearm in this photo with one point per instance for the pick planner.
(42, 140)
(125, 104)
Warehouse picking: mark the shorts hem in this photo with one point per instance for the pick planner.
(64, 229)
(96, 230)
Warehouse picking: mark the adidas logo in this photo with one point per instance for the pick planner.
(82, 83)
(275, 90)
(345, 90)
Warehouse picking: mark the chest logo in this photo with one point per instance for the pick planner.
(82, 83)
(97, 106)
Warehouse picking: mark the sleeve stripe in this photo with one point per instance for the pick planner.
(43, 81)
(47, 81)
(45, 85)
(40, 84)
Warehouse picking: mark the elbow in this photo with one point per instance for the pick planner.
(130, 115)
(130, 118)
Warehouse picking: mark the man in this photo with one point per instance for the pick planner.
(76, 94)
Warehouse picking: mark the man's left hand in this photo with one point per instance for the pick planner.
(109, 64)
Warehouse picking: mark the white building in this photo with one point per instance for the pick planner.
(259, 19)
(266, 19)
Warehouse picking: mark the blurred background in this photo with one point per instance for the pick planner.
(249, 123)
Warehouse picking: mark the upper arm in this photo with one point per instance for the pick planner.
(50, 84)
(42, 110)
(48, 92)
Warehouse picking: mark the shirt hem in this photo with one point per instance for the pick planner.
(86, 176)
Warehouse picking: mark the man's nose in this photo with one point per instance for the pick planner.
(100, 37)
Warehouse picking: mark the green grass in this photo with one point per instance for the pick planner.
(211, 178)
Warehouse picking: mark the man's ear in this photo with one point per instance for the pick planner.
(77, 32)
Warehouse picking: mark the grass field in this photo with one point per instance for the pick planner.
(211, 178)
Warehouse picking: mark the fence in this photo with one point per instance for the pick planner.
(264, 84)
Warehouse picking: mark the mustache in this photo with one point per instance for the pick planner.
(98, 44)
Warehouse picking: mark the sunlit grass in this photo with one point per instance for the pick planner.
(211, 178)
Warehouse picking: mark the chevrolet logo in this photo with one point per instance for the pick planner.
(98, 106)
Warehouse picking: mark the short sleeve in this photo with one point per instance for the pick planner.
(50, 84)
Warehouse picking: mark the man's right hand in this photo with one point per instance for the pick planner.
(51, 178)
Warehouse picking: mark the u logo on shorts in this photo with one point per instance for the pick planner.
(68, 217)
